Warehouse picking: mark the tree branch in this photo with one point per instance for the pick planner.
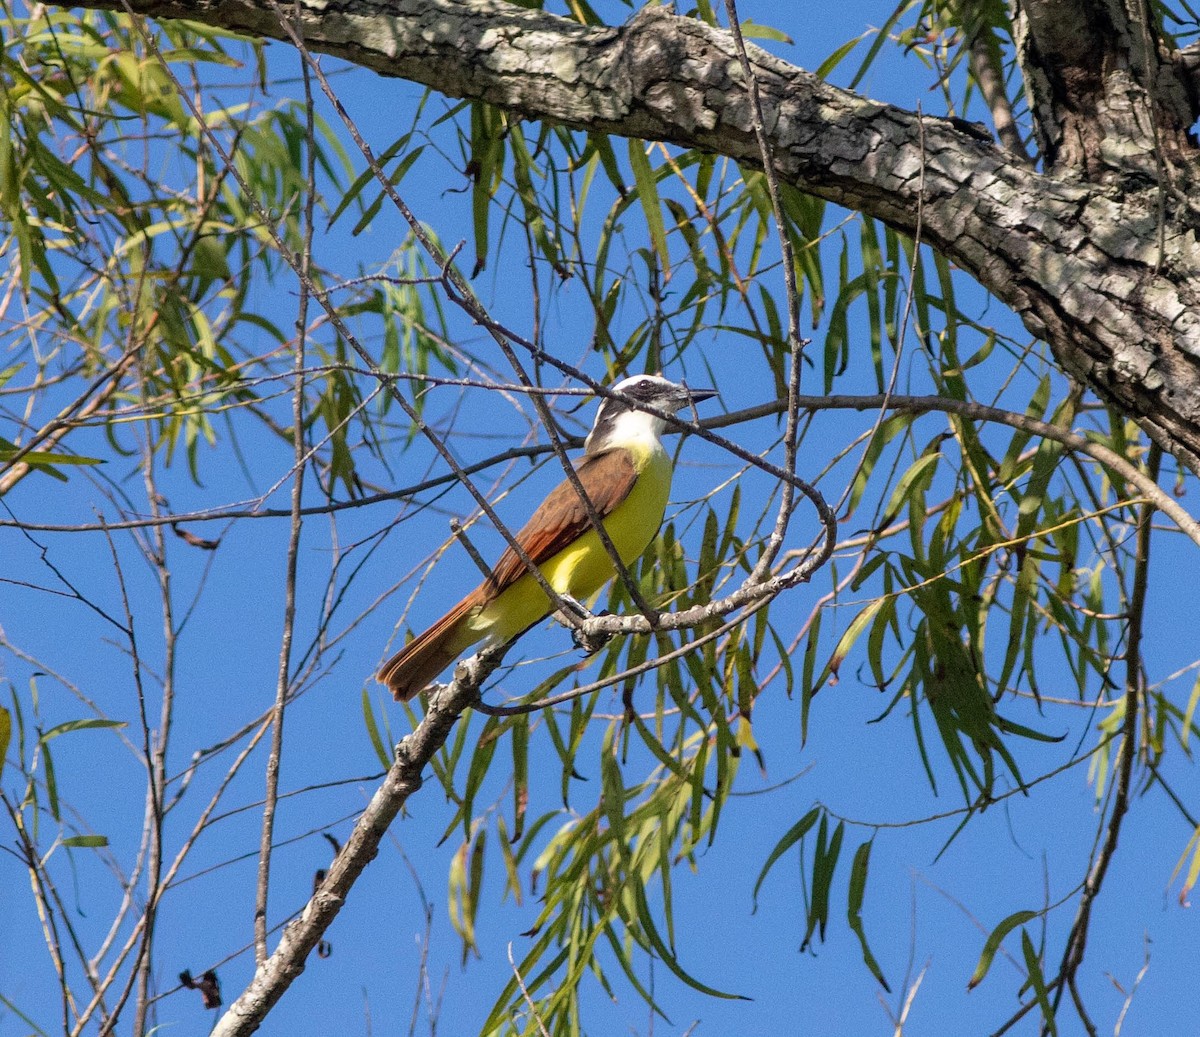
(283, 681)
(1083, 267)
(1134, 691)
(1098, 76)
(273, 976)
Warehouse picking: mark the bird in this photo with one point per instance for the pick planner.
(625, 472)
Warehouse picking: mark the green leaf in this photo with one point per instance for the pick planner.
(1189, 713)
(373, 731)
(824, 864)
(858, 886)
(754, 31)
(51, 783)
(846, 641)
(1193, 872)
(664, 953)
(481, 760)
(85, 724)
(475, 886)
(992, 944)
(613, 791)
(647, 190)
(830, 63)
(7, 373)
(621, 953)
(790, 838)
(94, 841)
(520, 750)
(43, 460)
(1038, 981)
(487, 159)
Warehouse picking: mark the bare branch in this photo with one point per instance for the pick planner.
(273, 976)
(283, 682)
(1134, 691)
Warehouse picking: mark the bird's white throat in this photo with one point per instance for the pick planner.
(633, 429)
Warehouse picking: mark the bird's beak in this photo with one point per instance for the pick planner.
(699, 395)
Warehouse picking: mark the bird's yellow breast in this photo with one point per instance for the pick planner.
(581, 569)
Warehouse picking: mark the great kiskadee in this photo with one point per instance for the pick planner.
(626, 475)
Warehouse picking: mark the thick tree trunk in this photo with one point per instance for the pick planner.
(1097, 254)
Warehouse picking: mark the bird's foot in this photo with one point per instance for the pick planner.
(591, 642)
(572, 608)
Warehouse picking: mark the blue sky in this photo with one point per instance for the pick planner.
(1019, 854)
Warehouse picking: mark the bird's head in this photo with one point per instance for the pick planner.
(627, 416)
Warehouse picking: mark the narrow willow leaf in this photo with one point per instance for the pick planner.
(824, 864)
(394, 178)
(87, 723)
(790, 838)
(502, 1010)
(657, 750)
(1038, 981)
(992, 944)
(847, 640)
(647, 190)
(51, 783)
(830, 63)
(664, 952)
(918, 474)
(613, 791)
(1189, 713)
(1023, 592)
(755, 30)
(1193, 872)
(8, 373)
(45, 457)
(858, 886)
(626, 964)
(94, 841)
(456, 885)
(474, 889)
(485, 750)
(373, 731)
(520, 751)
(882, 35)
(487, 160)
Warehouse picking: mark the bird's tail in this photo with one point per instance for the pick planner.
(415, 666)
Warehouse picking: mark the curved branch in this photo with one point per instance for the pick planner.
(1106, 271)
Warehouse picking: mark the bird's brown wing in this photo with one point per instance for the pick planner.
(562, 518)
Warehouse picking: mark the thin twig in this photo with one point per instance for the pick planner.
(283, 677)
(787, 503)
(1134, 689)
(533, 1009)
(458, 290)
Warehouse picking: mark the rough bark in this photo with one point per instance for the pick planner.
(1105, 92)
(1098, 255)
